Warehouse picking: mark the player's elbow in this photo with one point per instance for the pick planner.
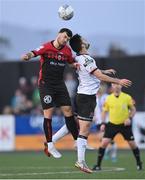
(98, 74)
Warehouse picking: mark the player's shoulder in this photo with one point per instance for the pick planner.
(79, 58)
(125, 95)
(85, 59)
(67, 48)
(47, 44)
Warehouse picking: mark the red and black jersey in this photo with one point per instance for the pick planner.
(52, 62)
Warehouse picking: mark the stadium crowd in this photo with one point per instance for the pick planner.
(26, 100)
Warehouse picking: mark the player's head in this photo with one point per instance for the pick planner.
(78, 43)
(64, 36)
(116, 87)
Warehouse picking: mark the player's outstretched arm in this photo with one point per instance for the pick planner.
(103, 77)
(27, 56)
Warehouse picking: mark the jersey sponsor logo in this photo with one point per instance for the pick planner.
(56, 56)
(47, 99)
(88, 61)
(57, 64)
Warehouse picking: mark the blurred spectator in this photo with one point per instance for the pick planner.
(20, 103)
(24, 87)
(101, 97)
(71, 85)
(37, 110)
(35, 97)
(17, 99)
(34, 82)
(7, 110)
(35, 91)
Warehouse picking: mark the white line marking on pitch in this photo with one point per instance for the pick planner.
(60, 172)
(43, 173)
(33, 167)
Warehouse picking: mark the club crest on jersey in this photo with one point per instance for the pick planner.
(59, 57)
(47, 99)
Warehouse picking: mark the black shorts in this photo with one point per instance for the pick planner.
(111, 130)
(85, 105)
(53, 95)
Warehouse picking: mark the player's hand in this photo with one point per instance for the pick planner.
(25, 57)
(76, 65)
(110, 71)
(127, 122)
(125, 82)
(102, 127)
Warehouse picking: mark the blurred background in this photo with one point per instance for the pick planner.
(116, 32)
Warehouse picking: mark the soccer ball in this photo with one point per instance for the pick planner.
(65, 12)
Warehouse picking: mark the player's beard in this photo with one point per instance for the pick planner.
(60, 43)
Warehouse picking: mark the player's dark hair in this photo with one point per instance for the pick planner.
(75, 43)
(68, 32)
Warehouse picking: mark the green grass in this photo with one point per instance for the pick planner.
(35, 165)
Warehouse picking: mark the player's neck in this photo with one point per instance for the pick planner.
(83, 51)
(56, 44)
(117, 93)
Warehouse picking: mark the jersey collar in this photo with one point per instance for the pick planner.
(78, 54)
(55, 47)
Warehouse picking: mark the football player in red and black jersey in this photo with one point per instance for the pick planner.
(53, 58)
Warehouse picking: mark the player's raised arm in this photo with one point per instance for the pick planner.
(103, 77)
(37, 52)
(27, 56)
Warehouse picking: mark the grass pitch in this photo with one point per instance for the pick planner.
(35, 165)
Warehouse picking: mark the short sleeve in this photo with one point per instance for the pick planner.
(90, 64)
(40, 50)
